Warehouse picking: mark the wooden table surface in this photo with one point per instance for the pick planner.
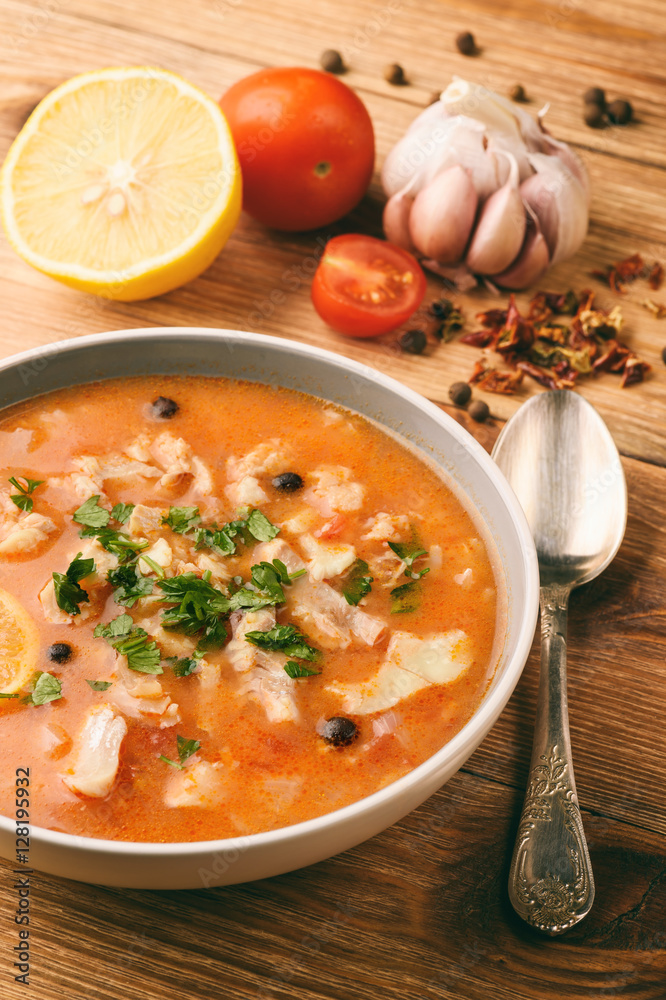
(420, 911)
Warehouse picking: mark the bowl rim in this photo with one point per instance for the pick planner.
(460, 743)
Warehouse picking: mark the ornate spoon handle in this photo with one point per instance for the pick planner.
(551, 884)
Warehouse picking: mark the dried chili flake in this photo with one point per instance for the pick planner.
(613, 359)
(635, 371)
(543, 377)
(656, 276)
(480, 338)
(494, 380)
(492, 318)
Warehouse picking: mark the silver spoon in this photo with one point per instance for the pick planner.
(560, 459)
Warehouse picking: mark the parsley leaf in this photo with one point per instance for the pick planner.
(115, 541)
(219, 540)
(260, 527)
(122, 512)
(22, 500)
(129, 584)
(182, 519)
(409, 553)
(68, 594)
(185, 750)
(99, 685)
(285, 639)
(296, 670)
(184, 666)
(200, 607)
(405, 598)
(47, 688)
(133, 642)
(358, 583)
(91, 514)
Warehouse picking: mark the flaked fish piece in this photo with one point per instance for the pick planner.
(97, 753)
(412, 663)
(385, 527)
(145, 520)
(334, 491)
(267, 459)
(142, 696)
(24, 533)
(160, 553)
(318, 606)
(90, 548)
(263, 670)
(300, 522)
(326, 559)
(200, 784)
(246, 491)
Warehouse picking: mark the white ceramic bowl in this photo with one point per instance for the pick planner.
(481, 487)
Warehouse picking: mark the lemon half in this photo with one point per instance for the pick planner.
(19, 645)
(123, 182)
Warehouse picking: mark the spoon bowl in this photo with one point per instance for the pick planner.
(562, 463)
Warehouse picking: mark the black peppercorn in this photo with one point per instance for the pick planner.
(460, 393)
(59, 652)
(331, 61)
(620, 112)
(164, 408)
(339, 731)
(413, 341)
(479, 411)
(595, 95)
(517, 93)
(395, 74)
(466, 44)
(288, 482)
(663, 355)
(594, 115)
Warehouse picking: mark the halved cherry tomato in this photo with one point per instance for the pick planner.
(364, 287)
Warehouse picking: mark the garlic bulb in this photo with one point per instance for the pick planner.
(477, 187)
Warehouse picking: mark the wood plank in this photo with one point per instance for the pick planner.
(433, 923)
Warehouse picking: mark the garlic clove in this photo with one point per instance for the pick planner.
(442, 216)
(500, 231)
(531, 263)
(559, 201)
(458, 275)
(396, 219)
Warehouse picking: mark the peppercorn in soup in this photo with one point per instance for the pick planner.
(226, 608)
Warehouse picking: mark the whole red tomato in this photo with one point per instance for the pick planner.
(305, 143)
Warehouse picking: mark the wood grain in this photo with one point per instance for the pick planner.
(421, 911)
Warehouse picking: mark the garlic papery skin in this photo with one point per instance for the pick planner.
(396, 219)
(473, 144)
(500, 230)
(530, 264)
(442, 216)
(559, 202)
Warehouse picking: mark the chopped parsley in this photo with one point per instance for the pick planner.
(99, 685)
(254, 527)
(122, 512)
(284, 639)
(22, 499)
(409, 553)
(184, 666)
(185, 750)
(296, 670)
(68, 593)
(91, 514)
(4, 695)
(199, 607)
(182, 519)
(119, 544)
(129, 584)
(47, 688)
(133, 642)
(405, 598)
(358, 583)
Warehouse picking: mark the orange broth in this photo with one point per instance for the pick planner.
(267, 774)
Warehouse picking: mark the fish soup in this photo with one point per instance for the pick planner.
(227, 608)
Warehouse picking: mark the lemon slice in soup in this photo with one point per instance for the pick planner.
(123, 182)
(19, 644)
